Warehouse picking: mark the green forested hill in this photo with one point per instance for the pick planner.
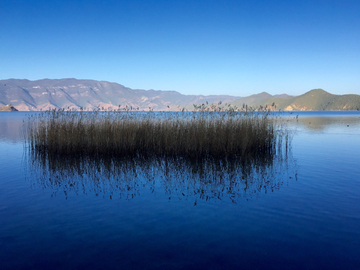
(314, 100)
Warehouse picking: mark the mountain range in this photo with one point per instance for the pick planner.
(26, 95)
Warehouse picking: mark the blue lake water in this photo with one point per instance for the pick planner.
(302, 211)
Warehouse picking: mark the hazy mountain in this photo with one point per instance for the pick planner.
(28, 95)
(257, 99)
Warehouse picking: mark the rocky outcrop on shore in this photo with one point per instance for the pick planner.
(8, 108)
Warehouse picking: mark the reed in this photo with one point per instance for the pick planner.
(218, 133)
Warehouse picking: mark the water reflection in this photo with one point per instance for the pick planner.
(178, 179)
(11, 131)
(321, 123)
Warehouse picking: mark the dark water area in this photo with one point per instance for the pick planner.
(297, 210)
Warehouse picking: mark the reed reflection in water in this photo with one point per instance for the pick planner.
(205, 179)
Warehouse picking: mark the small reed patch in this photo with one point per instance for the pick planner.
(216, 134)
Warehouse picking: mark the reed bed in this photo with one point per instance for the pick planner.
(188, 135)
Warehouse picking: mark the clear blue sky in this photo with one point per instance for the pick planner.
(194, 47)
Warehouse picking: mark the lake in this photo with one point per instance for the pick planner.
(301, 210)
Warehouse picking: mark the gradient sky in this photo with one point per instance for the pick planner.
(193, 47)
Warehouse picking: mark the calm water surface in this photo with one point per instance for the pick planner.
(300, 211)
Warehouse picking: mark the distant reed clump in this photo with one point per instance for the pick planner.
(217, 134)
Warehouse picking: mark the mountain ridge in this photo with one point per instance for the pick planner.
(27, 95)
(73, 93)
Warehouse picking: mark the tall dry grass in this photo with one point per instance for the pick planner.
(222, 133)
